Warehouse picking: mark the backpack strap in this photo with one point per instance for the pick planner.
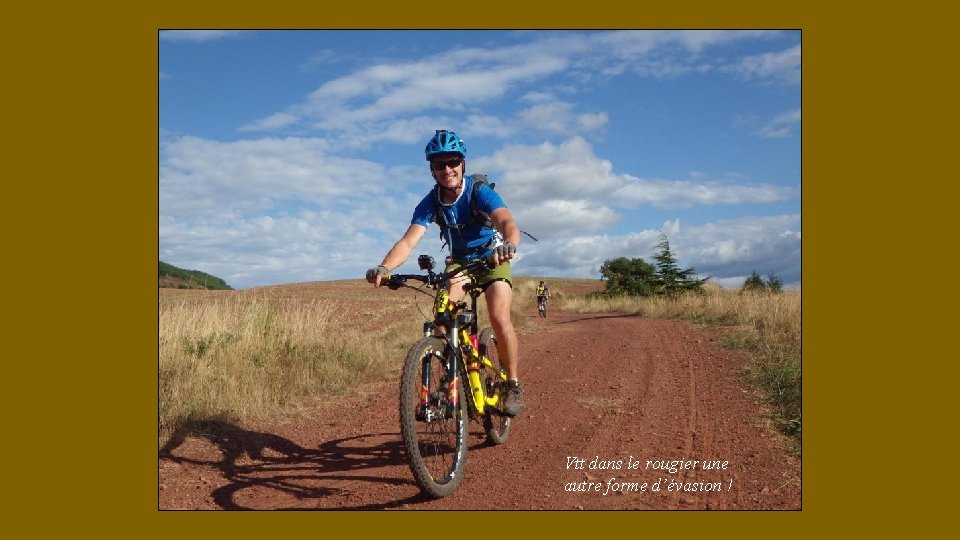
(480, 216)
(477, 215)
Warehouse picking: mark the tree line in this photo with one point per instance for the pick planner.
(636, 277)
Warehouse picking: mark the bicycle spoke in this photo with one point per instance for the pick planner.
(432, 425)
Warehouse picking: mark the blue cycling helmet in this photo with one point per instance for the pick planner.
(445, 142)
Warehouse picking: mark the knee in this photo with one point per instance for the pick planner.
(501, 322)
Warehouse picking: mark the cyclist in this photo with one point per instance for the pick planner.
(449, 204)
(543, 293)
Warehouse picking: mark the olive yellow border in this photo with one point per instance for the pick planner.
(82, 207)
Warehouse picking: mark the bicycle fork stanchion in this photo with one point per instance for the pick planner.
(425, 413)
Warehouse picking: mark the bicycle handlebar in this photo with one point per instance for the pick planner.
(395, 281)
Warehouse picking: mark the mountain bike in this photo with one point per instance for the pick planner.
(542, 306)
(436, 398)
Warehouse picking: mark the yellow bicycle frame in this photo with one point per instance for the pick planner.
(474, 362)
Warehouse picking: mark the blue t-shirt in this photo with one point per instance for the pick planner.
(473, 240)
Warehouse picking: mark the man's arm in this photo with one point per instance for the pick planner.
(503, 221)
(402, 249)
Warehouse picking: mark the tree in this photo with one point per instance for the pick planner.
(754, 283)
(634, 277)
(774, 284)
(670, 279)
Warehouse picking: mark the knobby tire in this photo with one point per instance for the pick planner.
(436, 450)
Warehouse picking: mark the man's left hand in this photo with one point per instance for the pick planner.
(503, 253)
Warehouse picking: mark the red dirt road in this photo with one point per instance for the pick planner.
(628, 391)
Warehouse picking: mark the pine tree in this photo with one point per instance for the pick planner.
(670, 279)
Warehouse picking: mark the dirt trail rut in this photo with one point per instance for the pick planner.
(603, 393)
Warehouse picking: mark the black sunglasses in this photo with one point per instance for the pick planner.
(441, 165)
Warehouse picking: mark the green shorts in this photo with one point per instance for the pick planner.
(500, 273)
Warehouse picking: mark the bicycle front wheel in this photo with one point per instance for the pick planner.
(496, 425)
(433, 418)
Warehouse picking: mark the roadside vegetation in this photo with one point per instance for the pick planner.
(236, 356)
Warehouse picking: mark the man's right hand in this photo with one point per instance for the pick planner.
(374, 275)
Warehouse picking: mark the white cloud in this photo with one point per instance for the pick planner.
(582, 255)
(781, 126)
(289, 209)
(199, 36)
(740, 246)
(258, 250)
(724, 250)
(550, 117)
(485, 125)
(554, 217)
(782, 66)
(538, 97)
(660, 53)
(564, 188)
(568, 171)
(674, 194)
(671, 227)
(200, 176)
(461, 80)
(592, 122)
(454, 80)
(273, 122)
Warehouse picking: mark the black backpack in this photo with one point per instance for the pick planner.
(477, 215)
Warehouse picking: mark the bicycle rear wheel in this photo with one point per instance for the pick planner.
(497, 426)
(433, 419)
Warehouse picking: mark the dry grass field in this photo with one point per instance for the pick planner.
(265, 352)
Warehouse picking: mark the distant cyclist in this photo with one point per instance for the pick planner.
(543, 293)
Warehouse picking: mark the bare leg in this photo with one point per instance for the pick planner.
(499, 298)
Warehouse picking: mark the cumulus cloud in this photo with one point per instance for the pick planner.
(592, 122)
(674, 194)
(262, 249)
(566, 171)
(199, 175)
(549, 117)
(781, 126)
(781, 66)
(724, 250)
(738, 247)
(283, 209)
(572, 171)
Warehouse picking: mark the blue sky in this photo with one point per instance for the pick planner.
(292, 156)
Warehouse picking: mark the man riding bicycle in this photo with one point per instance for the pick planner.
(455, 204)
(543, 293)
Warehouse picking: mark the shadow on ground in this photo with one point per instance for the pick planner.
(254, 460)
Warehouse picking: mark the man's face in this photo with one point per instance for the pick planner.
(447, 170)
